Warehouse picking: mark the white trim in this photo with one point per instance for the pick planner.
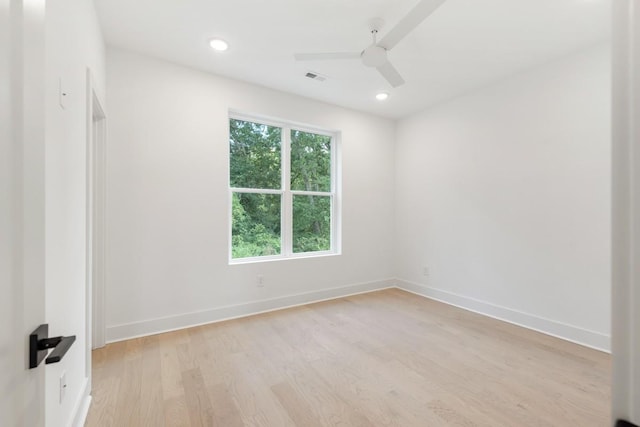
(81, 408)
(302, 255)
(257, 191)
(286, 193)
(96, 228)
(587, 338)
(310, 193)
(571, 333)
(626, 207)
(172, 323)
(286, 211)
(99, 279)
(336, 189)
(278, 122)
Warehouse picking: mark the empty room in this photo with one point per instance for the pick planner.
(321, 213)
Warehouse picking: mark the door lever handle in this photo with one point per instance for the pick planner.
(40, 344)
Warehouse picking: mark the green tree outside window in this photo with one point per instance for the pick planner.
(261, 185)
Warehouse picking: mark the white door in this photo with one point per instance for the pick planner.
(22, 286)
(626, 211)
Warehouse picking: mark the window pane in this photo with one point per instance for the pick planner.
(255, 159)
(310, 161)
(256, 225)
(311, 223)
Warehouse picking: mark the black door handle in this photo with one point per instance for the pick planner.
(40, 344)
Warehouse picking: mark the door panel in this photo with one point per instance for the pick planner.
(626, 209)
(22, 303)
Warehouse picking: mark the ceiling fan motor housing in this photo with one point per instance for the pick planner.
(374, 56)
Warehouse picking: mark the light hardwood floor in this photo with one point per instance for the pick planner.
(387, 358)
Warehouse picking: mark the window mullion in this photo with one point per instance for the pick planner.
(310, 193)
(287, 200)
(255, 190)
(335, 204)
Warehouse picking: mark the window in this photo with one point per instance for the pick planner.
(282, 182)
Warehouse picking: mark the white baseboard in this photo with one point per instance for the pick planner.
(554, 328)
(592, 339)
(172, 323)
(81, 408)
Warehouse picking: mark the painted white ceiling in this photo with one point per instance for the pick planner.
(464, 45)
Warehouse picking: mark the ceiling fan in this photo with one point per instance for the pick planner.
(376, 54)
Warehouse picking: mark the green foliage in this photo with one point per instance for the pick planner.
(255, 155)
(311, 223)
(310, 161)
(255, 162)
(256, 225)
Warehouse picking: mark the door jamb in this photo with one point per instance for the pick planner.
(625, 209)
(96, 195)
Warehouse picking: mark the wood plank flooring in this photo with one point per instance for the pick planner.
(387, 358)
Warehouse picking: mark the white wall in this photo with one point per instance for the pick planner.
(74, 43)
(504, 195)
(167, 192)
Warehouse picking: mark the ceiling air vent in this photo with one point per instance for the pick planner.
(315, 76)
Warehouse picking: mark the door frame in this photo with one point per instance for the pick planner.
(626, 212)
(96, 197)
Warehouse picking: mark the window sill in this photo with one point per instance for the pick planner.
(240, 261)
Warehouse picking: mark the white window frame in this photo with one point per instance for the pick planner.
(286, 194)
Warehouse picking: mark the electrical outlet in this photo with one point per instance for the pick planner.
(63, 386)
(425, 271)
(260, 281)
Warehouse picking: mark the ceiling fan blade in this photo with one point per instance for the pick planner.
(407, 24)
(325, 56)
(392, 75)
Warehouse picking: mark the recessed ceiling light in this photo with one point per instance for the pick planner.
(219, 45)
(382, 96)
